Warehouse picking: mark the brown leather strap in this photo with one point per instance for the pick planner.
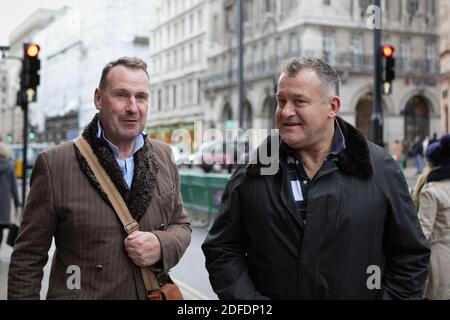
(119, 205)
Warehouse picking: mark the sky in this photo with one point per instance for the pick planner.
(14, 12)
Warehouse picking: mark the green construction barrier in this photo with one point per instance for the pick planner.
(201, 194)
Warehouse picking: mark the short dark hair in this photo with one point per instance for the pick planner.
(129, 62)
(327, 74)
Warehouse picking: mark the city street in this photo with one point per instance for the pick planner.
(190, 274)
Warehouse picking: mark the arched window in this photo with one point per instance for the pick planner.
(417, 118)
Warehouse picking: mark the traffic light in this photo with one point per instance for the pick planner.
(29, 78)
(9, 138)
(389, 68)
(31, 135)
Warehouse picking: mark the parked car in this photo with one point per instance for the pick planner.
(182, 158)
(214, 156)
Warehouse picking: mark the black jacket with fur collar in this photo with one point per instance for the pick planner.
(360, 218)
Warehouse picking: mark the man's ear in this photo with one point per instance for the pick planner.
(97, 99)
(334, 106)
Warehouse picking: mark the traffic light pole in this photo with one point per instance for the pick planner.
(241, 62)
(377, 111)
(25, 146)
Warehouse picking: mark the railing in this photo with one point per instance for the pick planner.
(202, 194)
(346, 62)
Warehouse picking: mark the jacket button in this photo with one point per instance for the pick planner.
(98, 268)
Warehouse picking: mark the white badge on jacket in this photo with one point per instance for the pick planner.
(297, 190)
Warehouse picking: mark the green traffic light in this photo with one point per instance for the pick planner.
(31, 135)
(9, 138)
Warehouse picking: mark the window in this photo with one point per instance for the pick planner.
(293, 50)
(199, 51)
(167, 95)
(175, 31)
(431, 57)
(432, 7)
(182, 56)
(190, 91)
(268, 5)
(182, 28)
(174, 96)
(198, 91)
(363, 5)
(279, 48)
(326, 2)
(229, 18)
(413, 7)
(266, 55)
(159, 99)
(191, 23)
(445, 93)
(175, 58)
(191, 52)
(329, 47)
(200, 20)
(357, 51)
(248, 6)
(405, 55)
(215, 28)
(255, 58)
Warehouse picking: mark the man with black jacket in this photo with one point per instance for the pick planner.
(335, 221)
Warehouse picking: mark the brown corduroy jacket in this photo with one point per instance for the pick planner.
(66, 202)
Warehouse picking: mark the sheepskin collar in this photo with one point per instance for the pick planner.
(139, 196)
(354, 160)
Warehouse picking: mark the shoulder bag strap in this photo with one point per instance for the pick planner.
(121, 209)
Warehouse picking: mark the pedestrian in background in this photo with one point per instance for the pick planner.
(336, 211)
(398, 154)
(417, 154)
(8, 189)
(432, 199)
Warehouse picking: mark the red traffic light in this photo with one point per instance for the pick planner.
(388, 51)
(32, 50)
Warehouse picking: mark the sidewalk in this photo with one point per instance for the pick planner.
(410, 172)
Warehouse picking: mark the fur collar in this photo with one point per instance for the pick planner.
(354, 160)
(146, 168)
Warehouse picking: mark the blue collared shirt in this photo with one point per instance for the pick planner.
(127, 165)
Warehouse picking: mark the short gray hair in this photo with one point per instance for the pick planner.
(129, 62)
(327, 74)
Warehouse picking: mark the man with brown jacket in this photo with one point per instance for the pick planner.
(94, 257)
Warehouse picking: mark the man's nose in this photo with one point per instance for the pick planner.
(132, 105)
(288, 110)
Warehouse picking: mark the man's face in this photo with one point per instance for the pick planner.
(303, 110)
(123, 104)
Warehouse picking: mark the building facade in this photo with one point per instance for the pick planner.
(4, 105)
(11, 123)
(444, 54)
(73, 56)
(76, 43)
(338, 31)
(178, 49)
